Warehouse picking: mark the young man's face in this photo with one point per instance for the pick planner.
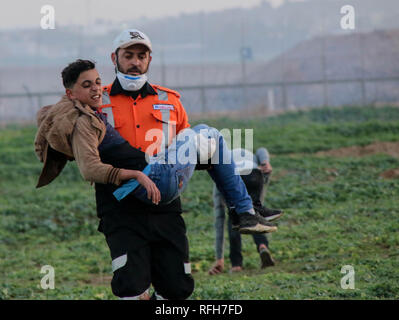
(133, 60)
(87, 89)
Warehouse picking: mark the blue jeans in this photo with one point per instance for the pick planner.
(171, 171)
(236, 258)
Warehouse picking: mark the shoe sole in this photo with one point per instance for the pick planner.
(266, 259)
(273, 217)
(258, 228)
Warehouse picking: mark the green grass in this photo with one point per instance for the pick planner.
(338, 212)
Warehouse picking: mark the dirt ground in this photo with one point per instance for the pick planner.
(389, 148)
(390, 174)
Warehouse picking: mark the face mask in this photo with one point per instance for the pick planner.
(131, 83)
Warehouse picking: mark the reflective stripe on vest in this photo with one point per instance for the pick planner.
(162, 95)
(106, 98)
(110, 115)
(165, 127)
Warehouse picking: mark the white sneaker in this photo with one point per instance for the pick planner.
(206, 147)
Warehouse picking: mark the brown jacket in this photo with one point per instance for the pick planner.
(67, 131)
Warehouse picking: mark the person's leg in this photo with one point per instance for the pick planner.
(181, 158)
(219, 210)
(259, 240)
(130, 264)
(175, 166)
(223, 172)
(254, 184)
(170, 266)
(264, 253)
(229, 183)
(235, 246)
(170, 170)
(172, 184)
(266, 179)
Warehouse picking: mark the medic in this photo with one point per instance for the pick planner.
(148, 243)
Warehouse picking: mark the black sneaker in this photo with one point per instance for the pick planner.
(268, 214)
(265, 258)
(254, 223)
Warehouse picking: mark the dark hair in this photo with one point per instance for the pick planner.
(71, 73)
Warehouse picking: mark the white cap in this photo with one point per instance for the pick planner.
(130, 37)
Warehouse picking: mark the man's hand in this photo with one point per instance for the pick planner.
(152, 191)
(265, 167)
(217, 268)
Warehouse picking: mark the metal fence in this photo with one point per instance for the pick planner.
(244, 99)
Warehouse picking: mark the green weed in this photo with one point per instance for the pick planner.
(338, 211)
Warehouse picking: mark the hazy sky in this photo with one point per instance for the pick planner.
(23, 13)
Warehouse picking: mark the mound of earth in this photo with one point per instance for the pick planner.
(390, 174)
(389, 148)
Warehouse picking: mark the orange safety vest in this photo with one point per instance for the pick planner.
(146, 122)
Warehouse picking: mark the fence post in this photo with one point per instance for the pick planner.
(284, 93)
(203, 100)
(270, 100)
(39, 100)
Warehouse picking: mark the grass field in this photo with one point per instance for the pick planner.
(339, 211)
